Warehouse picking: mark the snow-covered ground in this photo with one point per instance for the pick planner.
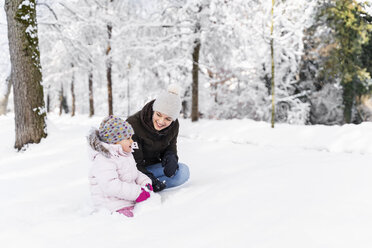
(250, 186)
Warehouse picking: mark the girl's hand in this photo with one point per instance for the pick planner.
(149, 187)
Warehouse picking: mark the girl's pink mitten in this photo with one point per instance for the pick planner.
(143, 196)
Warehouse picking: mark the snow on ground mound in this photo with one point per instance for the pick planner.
(347, 138)
(250, 186)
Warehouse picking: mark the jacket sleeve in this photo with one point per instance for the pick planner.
(172, 147)
(109, 182)
(138, 155)
(142, 179)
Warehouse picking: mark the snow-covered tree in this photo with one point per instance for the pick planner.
(237, 55)
(152, 45)
(349, 25)
(26, 72)
(333, 55)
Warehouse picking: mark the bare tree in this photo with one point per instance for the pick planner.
(109, 70)
(48, 103)
(195, 79)
(195, 59)
(272, 67)
(62, 102)
(26, 74)
(91, 99)
(73, 99)
(195, 71)
(109, 66)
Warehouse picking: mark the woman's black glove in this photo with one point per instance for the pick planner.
(157, 185)
(170, 164)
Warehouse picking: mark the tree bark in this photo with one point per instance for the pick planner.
(73, 99)
(48, 103)
(91, 102)
(349, 96)
(195, 78)
(272, 67)
(109, 71)
(63, 102)
(26, 74)
(4, 98)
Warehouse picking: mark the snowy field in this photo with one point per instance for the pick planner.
(250, 186)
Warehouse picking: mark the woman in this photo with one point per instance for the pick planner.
(156, 131)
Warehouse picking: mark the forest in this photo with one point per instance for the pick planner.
(274, 134)
(280, 61)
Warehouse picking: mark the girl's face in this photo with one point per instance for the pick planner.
(161, 121)
(126, 144)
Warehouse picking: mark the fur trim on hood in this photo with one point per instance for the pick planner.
(96, 144)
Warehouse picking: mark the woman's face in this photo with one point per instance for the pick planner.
(161, 121)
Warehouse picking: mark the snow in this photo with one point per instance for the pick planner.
(25, 17)
(250, 186)
(25, 3)
(40, 110)
(31, 30)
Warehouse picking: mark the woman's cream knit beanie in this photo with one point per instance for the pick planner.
(169, 102)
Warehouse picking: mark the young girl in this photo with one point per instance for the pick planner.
(115, 182)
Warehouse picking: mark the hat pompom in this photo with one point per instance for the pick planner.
(174, 89)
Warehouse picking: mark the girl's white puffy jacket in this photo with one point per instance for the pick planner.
(115, 181)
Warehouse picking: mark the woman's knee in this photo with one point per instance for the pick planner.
(184, 172)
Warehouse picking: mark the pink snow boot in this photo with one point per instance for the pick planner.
(127, 211)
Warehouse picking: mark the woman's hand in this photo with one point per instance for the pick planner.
(170, 163)
(157, 185)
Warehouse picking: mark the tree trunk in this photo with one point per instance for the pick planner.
(272, 67)
(73, 107)
(26, 74)
(109, 71)
(48, 103)
(128, 95)
(349, 101)
(195, 78)
(5, 97)
(185, 107)
(91, 103)
(61, 100)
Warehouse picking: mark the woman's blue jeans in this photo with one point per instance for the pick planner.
(181, 176)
